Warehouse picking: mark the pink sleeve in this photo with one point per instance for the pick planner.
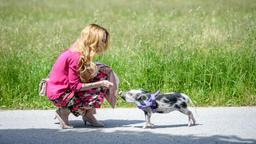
(73, 78)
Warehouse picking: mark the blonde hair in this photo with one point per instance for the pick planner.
(93, 40)
(90, 71)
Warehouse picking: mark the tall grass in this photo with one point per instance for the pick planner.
(204, 48)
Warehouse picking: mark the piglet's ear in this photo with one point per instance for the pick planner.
(141, 97)
(143, 91)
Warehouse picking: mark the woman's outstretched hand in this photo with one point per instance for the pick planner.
(106, 84)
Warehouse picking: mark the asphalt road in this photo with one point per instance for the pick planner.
(124, 126)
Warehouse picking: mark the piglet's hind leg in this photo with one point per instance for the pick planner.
(191, 119)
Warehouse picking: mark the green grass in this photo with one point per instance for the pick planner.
(204, 48)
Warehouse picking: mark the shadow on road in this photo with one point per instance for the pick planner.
(168, 126)
(97, 136)
(110, 123)
(113, 133)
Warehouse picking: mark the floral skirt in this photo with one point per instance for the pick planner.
(91, 98)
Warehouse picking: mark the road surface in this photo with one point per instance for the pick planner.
(220, 125)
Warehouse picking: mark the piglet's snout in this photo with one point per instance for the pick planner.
(122, 95)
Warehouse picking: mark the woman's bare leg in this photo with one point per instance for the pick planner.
(62, 115)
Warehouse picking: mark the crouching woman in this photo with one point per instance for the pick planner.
(65, 88)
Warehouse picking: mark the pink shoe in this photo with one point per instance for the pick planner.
(89, 117)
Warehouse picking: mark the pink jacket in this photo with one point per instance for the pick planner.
(64, 76)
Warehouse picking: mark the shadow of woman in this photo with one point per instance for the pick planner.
(110, 123)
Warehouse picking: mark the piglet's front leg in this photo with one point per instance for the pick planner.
(147, 119)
